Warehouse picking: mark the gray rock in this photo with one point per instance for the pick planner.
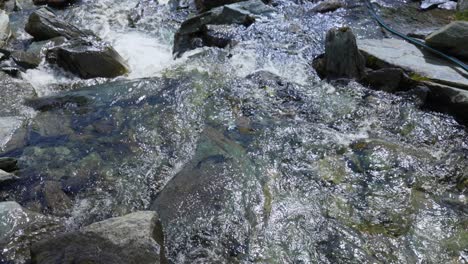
(5, 31)
(25, 59)
(425, 4)
(5, 176)
(452, 39)
(43, 24)
(400, 54)
(88, 59)
(450, 5)
(21, 227)
(462, 5)
(131, 238)
(448, 99)
(342, 58)
(386, 79)
(328, 6)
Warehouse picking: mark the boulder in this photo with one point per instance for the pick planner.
(328, 6)
(5, 176)
(194, 32)
(8, 126)
(133, 238)
(5, 31)
(25, 59)
(342, 58)
(449, 100)
(43, 24)
(397, 53)
(21, 227)
(386, 79)
(88, 59)
(452, 39)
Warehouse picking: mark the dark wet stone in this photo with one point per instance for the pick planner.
(43, 24)
(5, 176)
(452, 39)
(386, 79)
(8, 164)
(448, 100)
(342, 58)
(205, 5)
(133, 238)
(54, 3)
(195, 31)
(88, 59)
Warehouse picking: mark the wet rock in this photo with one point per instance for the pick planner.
(194, 32)
(400, 54)
(342, 58)
(54, 3)
(448, 99)
(13, 93)
(421, 33)
(8, 164)
(5, 176)
(25, 59)
(328, 6)
(4, 28)
(386, 79)
(452, 39)
(37, 49)
(132, 238)
(205, 5)
(56, 201)
(450, 5)
(21, 227)
(88, 59)
(43, 24)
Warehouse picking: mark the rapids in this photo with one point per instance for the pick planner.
(246, 155)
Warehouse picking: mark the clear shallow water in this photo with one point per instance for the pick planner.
(243, 166)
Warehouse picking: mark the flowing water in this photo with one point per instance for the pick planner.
(246, 155)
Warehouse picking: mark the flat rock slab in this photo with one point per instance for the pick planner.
(401, 54)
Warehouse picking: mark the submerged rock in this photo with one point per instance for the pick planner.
(56, 201)
(452, 39)
(43, 24)
(131, 238)
(88, 59)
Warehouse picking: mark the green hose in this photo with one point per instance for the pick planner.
(412, 40)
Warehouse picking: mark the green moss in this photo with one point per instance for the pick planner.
(462, 15)
(419, 78)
